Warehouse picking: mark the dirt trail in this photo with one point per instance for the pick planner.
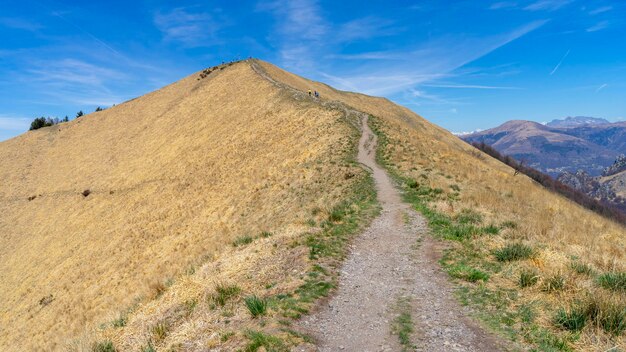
(393, 261)
(392, 268)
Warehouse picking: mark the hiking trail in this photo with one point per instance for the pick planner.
(392, 268)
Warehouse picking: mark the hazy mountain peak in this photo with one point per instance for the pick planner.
(572, 121)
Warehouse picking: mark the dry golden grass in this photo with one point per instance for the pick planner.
(195, 165)
(561, 230)
(175, 176)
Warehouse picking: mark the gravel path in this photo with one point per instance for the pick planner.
(392, 268)
(393, 261)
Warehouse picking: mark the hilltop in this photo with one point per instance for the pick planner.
(563, 145)
(220, 208)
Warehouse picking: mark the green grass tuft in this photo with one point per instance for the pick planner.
(256, 306)
(261, 340)
(555, 282)
(515, 251)
(104, 346)
(615, 281)
(223, 293)
(581, 268)
(528, 278)
(573, 319)
(242, 241)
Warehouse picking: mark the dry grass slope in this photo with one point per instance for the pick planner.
(175, 176)
(181, 173)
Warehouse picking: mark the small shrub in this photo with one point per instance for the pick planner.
(528, 278)
(86, 193)
(104, 346)
(515, 251)
(554, 283)
(257, 306)
(572, 320)
(223, 293)
(615, 281)
(455, 188)
(242, 241)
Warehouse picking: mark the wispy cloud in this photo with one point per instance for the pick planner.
(469, 86)
(601, 87)
(600, 10)
(503, 5)
(547, 5)
(365, 28)
(556, 68)
(13, 123)
(598, 26)
(437, 59)
(20, 23)
(192, 29)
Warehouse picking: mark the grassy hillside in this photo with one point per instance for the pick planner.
(174, 177)
(221, 206)
(487, 212)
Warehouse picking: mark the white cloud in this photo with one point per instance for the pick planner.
(600, 10)
(503, 5)
(190, 29)
(598, 26)
(13, 123)
(468, 86)
(437, 59)
(20, 23)
(601, 87)
(547, 5)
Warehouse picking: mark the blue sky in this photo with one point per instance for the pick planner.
(464, 65)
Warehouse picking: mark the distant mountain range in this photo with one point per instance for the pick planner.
(570, 144)
(576, 121)
(585, 153)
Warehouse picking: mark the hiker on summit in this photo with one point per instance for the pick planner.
(317, 95)
(309, 92)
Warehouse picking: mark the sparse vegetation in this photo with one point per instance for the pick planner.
(581, 268)
(104, 346)
(573, 319)
(256, 306)
(515, 251)
(553, 283)
(259, 340)
(224, 293)
(528, 278)
(615, 281)
(403, 325)
(242, 240)
(160, 331)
